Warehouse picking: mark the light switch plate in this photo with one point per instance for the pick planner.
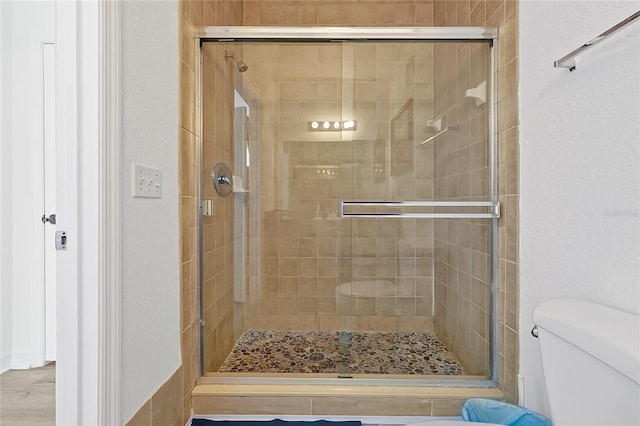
(146, 182)
(207, 208)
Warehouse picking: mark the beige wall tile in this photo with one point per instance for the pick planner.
(259, 405)
(166, 403)
(446, 407)
(420, 324)
(503, 15)
(192, 13)
(310, 13)
(142, 416)
(379, 406)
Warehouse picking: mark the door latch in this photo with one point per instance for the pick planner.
(51, 219)
(61, 240)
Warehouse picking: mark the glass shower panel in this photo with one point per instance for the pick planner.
(304, 173)
(359, 238)
(420, 267)
(217, 294)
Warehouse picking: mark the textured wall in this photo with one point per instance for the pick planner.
(150, 306)
(6, 217)
(178, 388)
(580, 227)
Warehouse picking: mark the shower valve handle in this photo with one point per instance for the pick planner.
(222, 180)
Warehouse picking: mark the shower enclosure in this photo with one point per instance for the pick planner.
(353, 234)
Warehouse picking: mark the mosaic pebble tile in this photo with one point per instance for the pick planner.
(259, 351)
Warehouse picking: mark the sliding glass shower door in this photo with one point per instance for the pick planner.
(417, 270)
(367, 211)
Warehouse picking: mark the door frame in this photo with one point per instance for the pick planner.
(88, 380)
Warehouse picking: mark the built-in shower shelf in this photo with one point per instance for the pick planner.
(302, 399)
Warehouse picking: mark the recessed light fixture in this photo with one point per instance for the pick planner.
(332, 126)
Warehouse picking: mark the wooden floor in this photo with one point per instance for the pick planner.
(27, 397)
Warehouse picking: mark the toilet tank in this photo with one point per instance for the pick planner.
(591, 362)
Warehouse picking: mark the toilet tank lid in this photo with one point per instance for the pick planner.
(611, 335)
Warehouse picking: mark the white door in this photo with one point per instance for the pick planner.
(49, 186)
(68, 347)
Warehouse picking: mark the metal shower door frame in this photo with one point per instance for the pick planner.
(354, 34)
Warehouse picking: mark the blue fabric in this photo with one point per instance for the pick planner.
(276, 422)
(491, 411)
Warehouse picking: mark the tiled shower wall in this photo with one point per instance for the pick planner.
(307, 252)
(499, 13)
(457, 177)
(194, 14)
(218, 229)
(502, 14)
(462, 247)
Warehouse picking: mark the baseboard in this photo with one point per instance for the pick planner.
(5, 362)
(20, 361)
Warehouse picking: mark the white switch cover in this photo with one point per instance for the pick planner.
(207, 208)
(147, 182)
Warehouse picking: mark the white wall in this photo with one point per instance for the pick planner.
(150, 263)
(5, 189)
(579, 165)
(25, 26)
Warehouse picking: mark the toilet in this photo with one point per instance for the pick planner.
(591, 362)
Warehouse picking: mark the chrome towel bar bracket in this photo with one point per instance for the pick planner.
(569, 61)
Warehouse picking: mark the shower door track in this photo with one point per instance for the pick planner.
(360, 34)
(323, 34)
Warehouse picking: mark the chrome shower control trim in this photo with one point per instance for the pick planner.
(222, 179)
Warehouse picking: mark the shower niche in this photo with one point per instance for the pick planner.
(361, 241)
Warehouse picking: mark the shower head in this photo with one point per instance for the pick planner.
(240, 65)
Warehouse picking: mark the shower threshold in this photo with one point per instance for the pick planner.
(213, 397)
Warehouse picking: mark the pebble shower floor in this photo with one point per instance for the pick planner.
(340, 352)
